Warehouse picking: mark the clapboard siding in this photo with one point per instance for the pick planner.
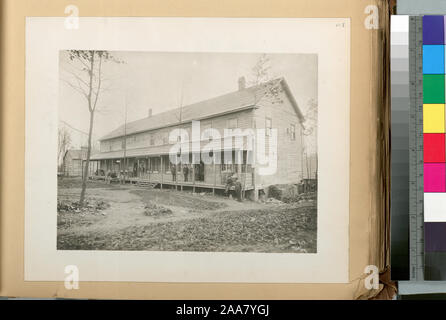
(159, 137)
(73, 167)
(289, 152)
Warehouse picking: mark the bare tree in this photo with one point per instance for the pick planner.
(269, 88)
(64, 143)
(310, 136)
(260, 72)
(86, 77)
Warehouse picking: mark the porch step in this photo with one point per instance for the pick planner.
(147, 184)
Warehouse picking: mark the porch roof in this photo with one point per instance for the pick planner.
(145, 152)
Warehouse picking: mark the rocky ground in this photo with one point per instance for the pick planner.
(131, 218)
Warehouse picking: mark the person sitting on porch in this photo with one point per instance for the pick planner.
(230, 183)
(185, 172)
(238, 190)
(121, 177)
(108, 177)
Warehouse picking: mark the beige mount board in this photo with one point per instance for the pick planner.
(367, 223)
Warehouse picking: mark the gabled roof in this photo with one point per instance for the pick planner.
(76, 153)
(227, 103)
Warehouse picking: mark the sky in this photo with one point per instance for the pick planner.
(161, 81)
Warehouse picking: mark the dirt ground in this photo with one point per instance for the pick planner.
(151, 219)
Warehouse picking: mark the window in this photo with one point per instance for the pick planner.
(152, 139)
(166, 164)
(227, 167)
(123, 143)
(232, 123)
(205, 131)
(293, 132)
(130, 140)
(268, 126)
(247, 162)
(165, 140)
(155, 164)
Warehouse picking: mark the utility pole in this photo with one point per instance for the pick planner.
(125, 134)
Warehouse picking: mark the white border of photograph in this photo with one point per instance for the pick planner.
(329, 38)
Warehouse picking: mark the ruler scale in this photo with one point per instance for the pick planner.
(416, 190)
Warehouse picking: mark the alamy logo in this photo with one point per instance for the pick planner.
(72, 277)
(372, 20)
(260, 146)
(372, 280)
(72, 21)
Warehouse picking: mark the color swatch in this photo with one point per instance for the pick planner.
(434, 104)
(434, 146)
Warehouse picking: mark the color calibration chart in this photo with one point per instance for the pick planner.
(418, 130)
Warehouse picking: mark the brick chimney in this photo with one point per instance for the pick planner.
(150, 112)
(241, 83)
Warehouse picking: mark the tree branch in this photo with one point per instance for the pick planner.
(81, 60)
(77, 89)
(99, 83)
(90, 86)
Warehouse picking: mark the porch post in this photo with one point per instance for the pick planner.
(193, 173)
(254, 170)
(214, 172)
(148, 167)
(245, 175)
(161, 170)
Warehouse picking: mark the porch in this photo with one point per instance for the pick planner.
(159, 171)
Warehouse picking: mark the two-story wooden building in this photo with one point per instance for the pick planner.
(142, 148)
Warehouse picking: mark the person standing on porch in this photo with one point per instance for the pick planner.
(185, 172)
(173, 170)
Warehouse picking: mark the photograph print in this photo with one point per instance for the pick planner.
(185, 151)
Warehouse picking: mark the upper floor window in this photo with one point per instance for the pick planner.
(152, 139)
(268, 126)
(293, 132)
(206, 131)
(232, 123)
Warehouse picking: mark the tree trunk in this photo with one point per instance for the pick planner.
(87, 162)
(317, 168)
(90, 130)
(308, 167)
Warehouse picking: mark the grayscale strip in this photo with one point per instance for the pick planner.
(400, 107)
